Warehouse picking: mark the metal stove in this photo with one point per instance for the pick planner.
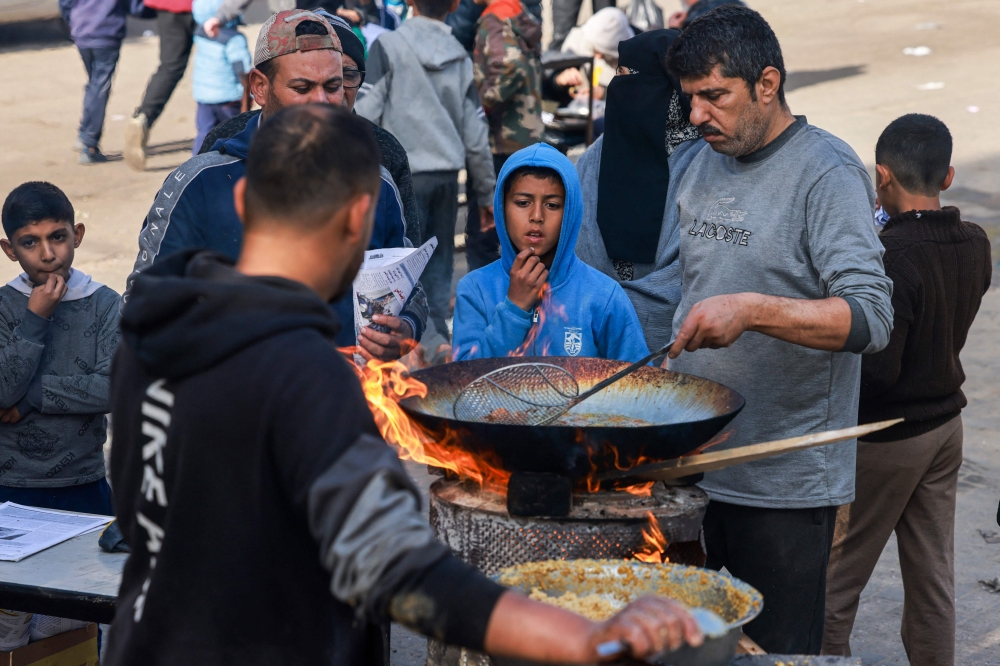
(476, 525)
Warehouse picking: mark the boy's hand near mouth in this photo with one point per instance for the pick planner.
(527, 277)
(46, 297)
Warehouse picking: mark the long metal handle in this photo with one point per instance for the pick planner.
(603, 384)
(708, 462)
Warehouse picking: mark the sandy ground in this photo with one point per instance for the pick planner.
(848, 74)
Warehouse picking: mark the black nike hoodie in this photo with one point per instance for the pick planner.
(269, 523)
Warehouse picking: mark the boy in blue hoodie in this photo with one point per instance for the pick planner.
(539, 299)
(221, 66)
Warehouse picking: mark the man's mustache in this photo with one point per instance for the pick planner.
(707, 129)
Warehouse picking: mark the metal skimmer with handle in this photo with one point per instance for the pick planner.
(530, 394)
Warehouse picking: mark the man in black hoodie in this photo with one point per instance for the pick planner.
(244, 448)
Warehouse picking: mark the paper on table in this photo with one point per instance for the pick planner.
(384, 282)
(25, 530)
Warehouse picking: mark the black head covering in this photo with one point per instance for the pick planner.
(645, 119)
(350, 42)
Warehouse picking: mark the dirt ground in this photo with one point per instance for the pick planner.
(847, 73)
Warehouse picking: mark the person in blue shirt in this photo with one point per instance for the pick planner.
(539, 299)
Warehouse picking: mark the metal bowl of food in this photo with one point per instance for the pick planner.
(598, 589)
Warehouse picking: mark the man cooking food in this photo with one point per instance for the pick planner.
(269, 522)
(783, 287)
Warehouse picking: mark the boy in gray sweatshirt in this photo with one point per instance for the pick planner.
(58, 331)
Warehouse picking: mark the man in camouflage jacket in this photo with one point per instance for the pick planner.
(507, 68)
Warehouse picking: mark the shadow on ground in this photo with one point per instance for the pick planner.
(811, 77)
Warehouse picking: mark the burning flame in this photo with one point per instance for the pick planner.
(543, 310)
(654, 550)
(641, 489)
(385, 383)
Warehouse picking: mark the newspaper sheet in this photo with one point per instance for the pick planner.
(25, 530)
(385, 281)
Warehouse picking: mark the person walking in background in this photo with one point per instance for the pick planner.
(175, 25)
(907, 475)
(97, 28)
(221, 66)
(420, 86)
(508, 73)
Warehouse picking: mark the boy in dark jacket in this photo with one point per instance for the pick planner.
(250, 478)
(907, 475)
(97, 28)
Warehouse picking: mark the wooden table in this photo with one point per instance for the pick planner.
(74, 579)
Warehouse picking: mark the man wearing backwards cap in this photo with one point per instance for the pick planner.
(297, 60)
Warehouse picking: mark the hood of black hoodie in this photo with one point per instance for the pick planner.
(192, 310)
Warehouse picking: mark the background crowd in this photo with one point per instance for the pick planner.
(424, 96)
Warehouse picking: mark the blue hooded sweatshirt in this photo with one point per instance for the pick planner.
(194, 209)
(585, 313)
(220, 61)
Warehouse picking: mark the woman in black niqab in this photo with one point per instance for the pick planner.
(646, 118)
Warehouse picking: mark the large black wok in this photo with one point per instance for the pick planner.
(653, 413)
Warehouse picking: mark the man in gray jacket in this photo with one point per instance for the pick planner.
(783, 287)
(419, 86)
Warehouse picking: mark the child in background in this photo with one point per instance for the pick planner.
(221, 66)
(97, 28)
(907, 475)
(538, 211)
(507, 67)
(58, 331)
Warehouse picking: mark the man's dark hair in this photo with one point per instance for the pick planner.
(734, 36)
(917, 149)
(269, 68)
(433, 9)
(542, 173)
(306, 162)
(33, 202)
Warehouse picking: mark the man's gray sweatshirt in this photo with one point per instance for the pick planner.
(793, 219)
(57, 372)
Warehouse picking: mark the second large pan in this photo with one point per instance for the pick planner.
(654, 414)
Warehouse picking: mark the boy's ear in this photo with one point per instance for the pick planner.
(8, 249)
(454, 6)
(948, 179)
(883, 176)
(78, 231)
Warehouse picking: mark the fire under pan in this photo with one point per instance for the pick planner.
(476, 526)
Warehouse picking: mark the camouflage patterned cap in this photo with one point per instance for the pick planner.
(277, 36)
